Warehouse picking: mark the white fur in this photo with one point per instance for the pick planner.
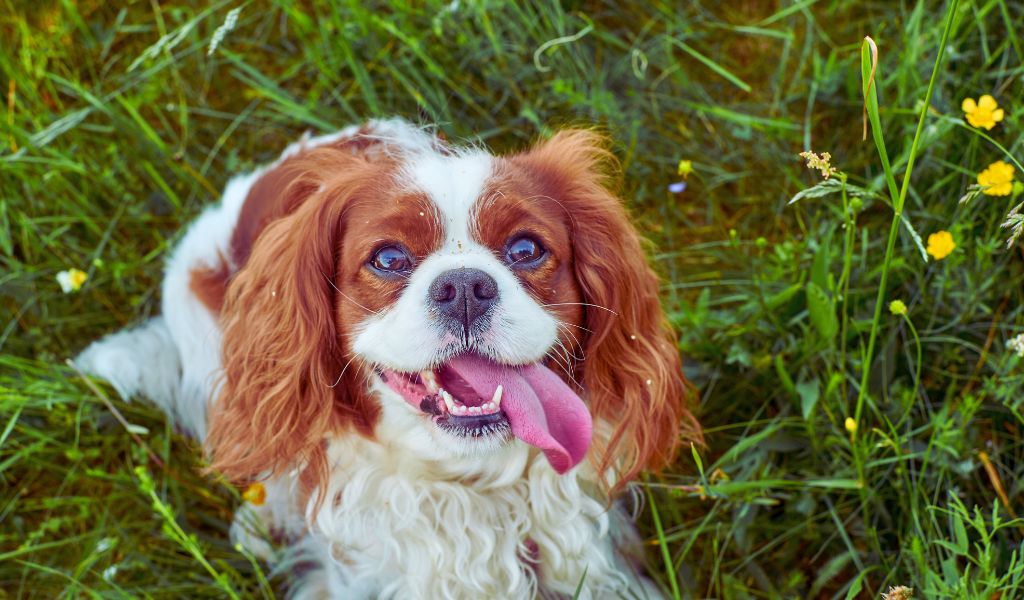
(138, 361)
(401, 338)
(414, 513)
(450, 539)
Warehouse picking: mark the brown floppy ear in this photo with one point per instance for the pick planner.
(282, 390)
(631, 371)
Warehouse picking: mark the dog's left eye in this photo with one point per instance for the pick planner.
(391, 259)
(524, 251)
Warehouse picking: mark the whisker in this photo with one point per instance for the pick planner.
(342, 374)
(565, 369)
(582, 304)
(346, 296)
(570, 359)
(572, 354)
(576, 326)
(572, 218)
(577, 343)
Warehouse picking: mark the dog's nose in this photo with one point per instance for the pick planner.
(464, 295)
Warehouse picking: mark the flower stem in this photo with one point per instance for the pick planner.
(898, 209)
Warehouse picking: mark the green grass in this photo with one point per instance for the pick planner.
(118, 126)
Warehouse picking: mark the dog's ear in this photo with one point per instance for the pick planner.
(283, 354)
(631, 371)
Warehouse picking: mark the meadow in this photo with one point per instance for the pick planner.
(855, 341)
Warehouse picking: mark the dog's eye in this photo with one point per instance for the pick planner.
(391, 259)
(524, 251)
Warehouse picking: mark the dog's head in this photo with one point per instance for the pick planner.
(451, 299)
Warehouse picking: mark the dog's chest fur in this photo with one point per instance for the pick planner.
(406, 529)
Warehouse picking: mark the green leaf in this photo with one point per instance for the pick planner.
(827, 187)
(714, 66)
(856, 586)
(822, 311)
(784, 378)
(962, 542)
(830, 571)
(870, 76)
(746, 443)
(776, 300)
(696, 459)
(914, 236)
(833, 383)
(823, 188)
(809, 393)
(948, 546)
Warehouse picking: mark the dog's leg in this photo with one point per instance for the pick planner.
(140, 361)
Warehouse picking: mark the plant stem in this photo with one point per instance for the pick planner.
(898, 210)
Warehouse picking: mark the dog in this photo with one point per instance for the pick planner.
(443, 365)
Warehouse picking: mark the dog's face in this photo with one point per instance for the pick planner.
(460, 296)
(456, 301)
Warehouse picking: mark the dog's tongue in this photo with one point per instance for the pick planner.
(542, 410)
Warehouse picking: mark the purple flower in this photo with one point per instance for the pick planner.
(678, 187)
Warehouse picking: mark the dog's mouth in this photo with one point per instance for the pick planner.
(454, 405)
(474, 397)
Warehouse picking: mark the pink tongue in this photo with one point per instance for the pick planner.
(543, 411)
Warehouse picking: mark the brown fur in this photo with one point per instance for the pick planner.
(210, 284)
(631, 371)
(407, 218)
(285, 346)
(513, 205)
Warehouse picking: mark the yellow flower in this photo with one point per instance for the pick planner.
(997, 179)
(851, 425)
(983, 113)
(897, 307)
(255, 494)
(71, 280)
(685, 168)
(940, 244)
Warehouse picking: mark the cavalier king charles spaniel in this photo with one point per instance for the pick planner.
(444, 366)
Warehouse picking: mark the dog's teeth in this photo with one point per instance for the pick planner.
(474, 410)
(429, 380)
(448, 401)
(496, 399)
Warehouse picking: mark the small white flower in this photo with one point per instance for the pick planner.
(1016, 345)
(71, 280)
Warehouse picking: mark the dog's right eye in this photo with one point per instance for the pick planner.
(391, 259)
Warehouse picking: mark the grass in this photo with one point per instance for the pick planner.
(121, 124)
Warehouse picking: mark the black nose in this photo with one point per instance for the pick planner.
(464, 295)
